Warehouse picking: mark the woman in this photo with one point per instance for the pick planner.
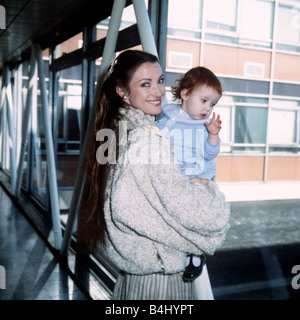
(137, 206)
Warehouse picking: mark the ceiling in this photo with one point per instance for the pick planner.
(46, 22)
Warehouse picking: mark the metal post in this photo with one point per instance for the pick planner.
(108, 53)
(145, 30)
(2, 107)
(50, 153)
(26, 120)
(9, 108)
(144, 26)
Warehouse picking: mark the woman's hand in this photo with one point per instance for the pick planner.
(199, 180)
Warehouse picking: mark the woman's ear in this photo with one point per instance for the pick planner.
(122, 92)
(183, 94)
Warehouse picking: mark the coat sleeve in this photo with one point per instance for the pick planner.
(164, 206)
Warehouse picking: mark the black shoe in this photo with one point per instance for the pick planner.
(191, 272)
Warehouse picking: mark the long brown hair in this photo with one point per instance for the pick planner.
(91, 223)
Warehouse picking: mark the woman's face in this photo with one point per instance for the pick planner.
(147, 89)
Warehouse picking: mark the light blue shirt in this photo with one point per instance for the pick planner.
(193, 150)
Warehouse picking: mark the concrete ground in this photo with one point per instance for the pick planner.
(262, 245)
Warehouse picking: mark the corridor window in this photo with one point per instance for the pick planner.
(69, 45)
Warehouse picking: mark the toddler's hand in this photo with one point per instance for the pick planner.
(214, 126)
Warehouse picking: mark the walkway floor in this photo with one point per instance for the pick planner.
(31, 270)
(254, 263)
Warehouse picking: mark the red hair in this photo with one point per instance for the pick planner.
(195, 78)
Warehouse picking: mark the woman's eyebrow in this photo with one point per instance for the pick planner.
(148, 79)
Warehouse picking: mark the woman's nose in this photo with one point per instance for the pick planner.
(159, 90)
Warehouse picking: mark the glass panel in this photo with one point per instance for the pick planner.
(39, 176)
(250, 125)
(245, 86)
(128, 19)
(256, 31)
(25, 74)
(282, 126)
(68, 131)
(248, 150)
(288, 31)
(286, 89)
(283, 149)
(69, 45)
(185, 20)
(221, 14)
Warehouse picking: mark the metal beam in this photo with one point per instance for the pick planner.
(158, 12)
(145, 30)
(144, 27)
(26, 120)
(2, 113)
(50, 153)
(9, 113)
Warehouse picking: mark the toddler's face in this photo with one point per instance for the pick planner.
(199, 103)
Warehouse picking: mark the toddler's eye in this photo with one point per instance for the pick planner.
(203, 100)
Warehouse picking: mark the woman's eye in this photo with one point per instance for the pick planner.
(145, 85)
(161, 80)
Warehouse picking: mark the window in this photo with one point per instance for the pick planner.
(221, 15)
(282, 127)
(68, 128)
(233, 21)
(184, 19)
(288, 28)
(284, 123)
(259, 30)
(250, 125)
(69, 45)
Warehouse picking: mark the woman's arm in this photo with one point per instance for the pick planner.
(170, 209)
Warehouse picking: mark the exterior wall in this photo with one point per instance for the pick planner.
(231, 60)
(239, 168)
(185, 47)
(283, 168)
(287, 67)
(251, 168)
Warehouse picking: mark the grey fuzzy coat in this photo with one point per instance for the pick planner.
(154, 216)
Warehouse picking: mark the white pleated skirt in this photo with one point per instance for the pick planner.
(153, 287)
